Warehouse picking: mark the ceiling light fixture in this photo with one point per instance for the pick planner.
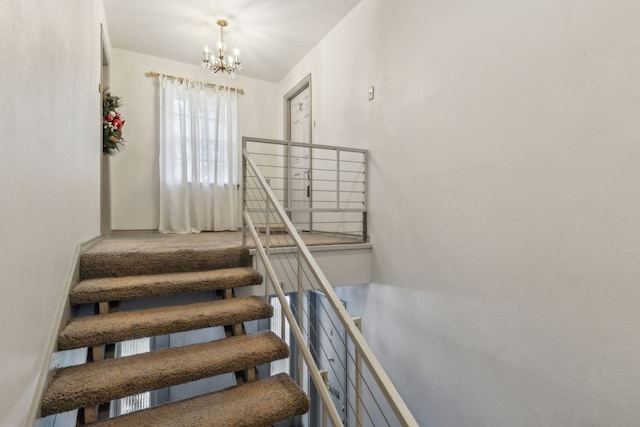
(220, 61)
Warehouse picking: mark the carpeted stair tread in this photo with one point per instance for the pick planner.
(115, 327)
(257, 404)
(129, 287)
(95, 263)
(93, 383)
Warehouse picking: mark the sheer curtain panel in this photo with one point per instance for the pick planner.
(199, 158)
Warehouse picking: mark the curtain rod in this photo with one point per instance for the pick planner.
(156, 74)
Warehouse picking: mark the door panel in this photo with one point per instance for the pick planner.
(328, 341)
(300, 131)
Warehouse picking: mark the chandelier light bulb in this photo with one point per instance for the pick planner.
(221, 61)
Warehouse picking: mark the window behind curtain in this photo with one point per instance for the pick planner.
(199, 159)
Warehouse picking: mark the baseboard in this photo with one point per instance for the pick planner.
(140, 231)
(63, 313)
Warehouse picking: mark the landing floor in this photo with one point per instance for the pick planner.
(142, 241)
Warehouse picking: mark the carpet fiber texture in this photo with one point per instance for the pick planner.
(96, 263)
(99, 382)
(257, 404)
(130, 287)
(115, 327)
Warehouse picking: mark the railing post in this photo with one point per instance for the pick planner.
(287, 203)
(267, 243)
(300, 290)
(266, 279)
(358, 363)
(364, 226)
(337, 178)
(325, 378)
(244, 192)
(366, 180)
(365, 203)
(283, 319)
(300, 308)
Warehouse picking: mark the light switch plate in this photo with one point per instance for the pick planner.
(371, 93)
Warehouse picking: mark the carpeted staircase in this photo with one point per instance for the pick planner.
(108, 277)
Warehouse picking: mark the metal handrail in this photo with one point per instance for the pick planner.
(302, 144)
(306, 353)
(386, 386)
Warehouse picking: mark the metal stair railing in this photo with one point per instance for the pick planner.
(367, 396)
(322, 188)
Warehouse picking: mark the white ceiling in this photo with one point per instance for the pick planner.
(272, 35)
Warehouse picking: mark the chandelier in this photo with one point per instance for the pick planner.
(219, 60)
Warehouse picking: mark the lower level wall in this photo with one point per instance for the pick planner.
(442, 379)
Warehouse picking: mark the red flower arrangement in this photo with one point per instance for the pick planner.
(112, 123)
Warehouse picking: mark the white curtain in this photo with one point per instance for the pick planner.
(199, 158)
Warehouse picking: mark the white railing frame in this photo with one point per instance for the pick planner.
(386, 386)
(288, 165)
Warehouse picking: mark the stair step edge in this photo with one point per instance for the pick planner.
(255, 404)
(95, 264)
(110, 328)
(99, 382)
(131, 287)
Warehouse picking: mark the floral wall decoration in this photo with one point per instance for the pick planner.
(112, 123)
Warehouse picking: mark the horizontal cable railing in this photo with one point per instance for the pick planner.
(322, 188)
(330, 358)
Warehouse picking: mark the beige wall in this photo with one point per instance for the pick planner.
(134, 171)
(49, 178)
(504, 202)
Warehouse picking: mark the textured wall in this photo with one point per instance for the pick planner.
(504, 202)
(134, 171)
(49, 177)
